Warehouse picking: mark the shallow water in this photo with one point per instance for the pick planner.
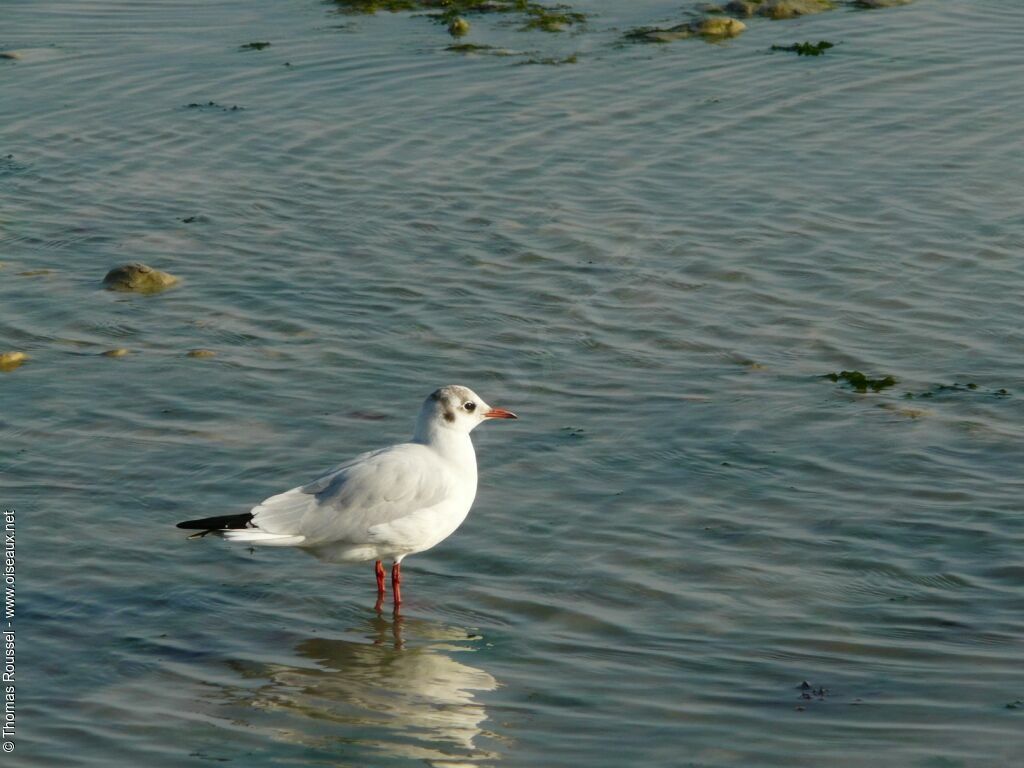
(653, 255)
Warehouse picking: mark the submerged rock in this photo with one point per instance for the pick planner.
(140, 278)
(880, 3)
(713, 27)
(11, 360)
(458, 27)
(718, 26)
(742, 8)
(788, 9)
(202, 353)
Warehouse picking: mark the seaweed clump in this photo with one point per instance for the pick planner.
(860, 382)
(806, 49)
(547, 18)
(945, 389)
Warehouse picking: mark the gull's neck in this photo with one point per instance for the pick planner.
(450, 444)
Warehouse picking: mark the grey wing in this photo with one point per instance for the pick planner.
(373, 489)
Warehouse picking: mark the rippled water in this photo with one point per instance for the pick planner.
(653, 255)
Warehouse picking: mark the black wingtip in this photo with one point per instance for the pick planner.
(220, 523)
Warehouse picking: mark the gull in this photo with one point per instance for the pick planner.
(382, 505)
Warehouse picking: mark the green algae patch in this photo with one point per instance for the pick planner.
(806, 49)
(860, 382)
(370, 7)
(11, 360)
(253, 46)
(138, 278)
(550, 19)
(538, 16)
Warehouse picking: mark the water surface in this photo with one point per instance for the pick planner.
(653, 255)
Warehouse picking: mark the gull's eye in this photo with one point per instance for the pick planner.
(470, 407)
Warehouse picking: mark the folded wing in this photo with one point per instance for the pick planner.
(344, 504)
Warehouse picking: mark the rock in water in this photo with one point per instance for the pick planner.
(743, 8)
(140, 278)
(458, 27)
(713, 27)
(11, 360)
(789, 9)
(880, 3)
(719, 26)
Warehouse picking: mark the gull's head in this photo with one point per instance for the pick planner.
(457, 408)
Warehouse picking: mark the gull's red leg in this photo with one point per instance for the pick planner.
(396, 581)
(379, 569)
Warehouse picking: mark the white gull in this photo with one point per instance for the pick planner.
(381, 505)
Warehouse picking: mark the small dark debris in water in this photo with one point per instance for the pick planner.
(800, 709)
(574, 431)
(188, 219)
(806, 48)
(550, 61)
(809, 693)
(860, 382)
(368, 415)
(943, 389)
(287, 64)
(254, 46)
(204, 756)
(214, 105)
(468, 48)
(1018, 704)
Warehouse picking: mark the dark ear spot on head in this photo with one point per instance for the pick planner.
(449, 416)
(435, 395)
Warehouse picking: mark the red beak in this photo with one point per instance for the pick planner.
(499, 413)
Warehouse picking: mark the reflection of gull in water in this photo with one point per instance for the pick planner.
(398, 691)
